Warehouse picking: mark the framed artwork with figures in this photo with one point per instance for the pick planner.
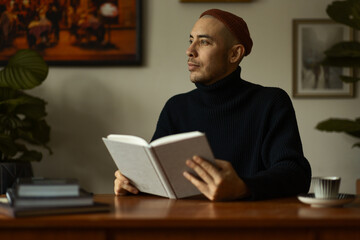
(215, 0)
(311, 38)
(73, 32)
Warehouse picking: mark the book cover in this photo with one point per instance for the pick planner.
(157, 168)
(7, 209)
(84, 199)
(47, 187)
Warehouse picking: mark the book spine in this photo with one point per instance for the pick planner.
(160, 172)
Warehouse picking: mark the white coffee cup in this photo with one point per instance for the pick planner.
(326, 187)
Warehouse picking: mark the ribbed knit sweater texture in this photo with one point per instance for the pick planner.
(251, 126)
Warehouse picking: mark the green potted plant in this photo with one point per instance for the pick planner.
(344, 54)
(23, 128)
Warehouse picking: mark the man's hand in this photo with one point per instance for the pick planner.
(219, 183)
(122, 185)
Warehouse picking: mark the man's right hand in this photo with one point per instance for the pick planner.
(122, 185)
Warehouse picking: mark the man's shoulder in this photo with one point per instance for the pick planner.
(180, 97)
(266, 91)
(267, 97)
(275, 92)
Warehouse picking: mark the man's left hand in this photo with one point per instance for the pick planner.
(217, 183)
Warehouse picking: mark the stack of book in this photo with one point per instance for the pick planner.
(45, 196)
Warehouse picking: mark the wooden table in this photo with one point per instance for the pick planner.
(150, 217)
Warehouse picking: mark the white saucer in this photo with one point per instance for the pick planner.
(342, 199)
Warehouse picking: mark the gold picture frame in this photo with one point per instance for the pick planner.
(74, 32)
(186, 1)
(311, 37)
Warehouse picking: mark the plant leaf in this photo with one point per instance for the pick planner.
(354, 134)
(11, 122)
(21, 103)
(344, 49)
(348, 79)
(30, 156)
(344, 54)
(339, 125)
(345, 12)
(38, 134)
(26, 69)
(8, 93)
(24, 154)
(30, 107)
(7, 146)
(342, 62)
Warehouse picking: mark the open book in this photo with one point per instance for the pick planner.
(157, 168)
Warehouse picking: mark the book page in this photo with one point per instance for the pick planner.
(172, 158)
(175, 138)
(134, 163)
(128, 139)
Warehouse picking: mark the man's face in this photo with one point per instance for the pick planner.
(208, 51)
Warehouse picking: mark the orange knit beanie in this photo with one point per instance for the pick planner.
(236, 25)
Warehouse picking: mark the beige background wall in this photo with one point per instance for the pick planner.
(86, 104)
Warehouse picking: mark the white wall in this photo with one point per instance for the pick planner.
(85, 104)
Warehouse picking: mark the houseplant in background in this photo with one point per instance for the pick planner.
(23, 128)
(344, 54)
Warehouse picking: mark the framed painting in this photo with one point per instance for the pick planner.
(311, 37)
(73, 32)
(215, 0)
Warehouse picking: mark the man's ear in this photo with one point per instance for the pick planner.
(236, 53)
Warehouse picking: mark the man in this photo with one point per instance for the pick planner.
(253, 128)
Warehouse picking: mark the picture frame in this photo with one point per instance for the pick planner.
(75, 32)
(311, 37)
(186, 1)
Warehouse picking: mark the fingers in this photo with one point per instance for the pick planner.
(125, 185)
(222, 164)
(118, 190)
(209, 167)
(122, 185)
(118, 174)
(200, 170)
(214, 181)
(206, 170)
(203, 187)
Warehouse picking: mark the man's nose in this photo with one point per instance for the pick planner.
(191, 51)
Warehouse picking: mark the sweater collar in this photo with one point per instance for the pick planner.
(222, 90)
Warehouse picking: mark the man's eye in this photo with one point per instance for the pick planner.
(190, 41)
(204, 42)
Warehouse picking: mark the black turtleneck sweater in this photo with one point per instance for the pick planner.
(251, 126)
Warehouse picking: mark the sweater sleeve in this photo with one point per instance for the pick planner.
(287, 172)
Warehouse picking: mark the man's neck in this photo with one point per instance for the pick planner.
(227, 73)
